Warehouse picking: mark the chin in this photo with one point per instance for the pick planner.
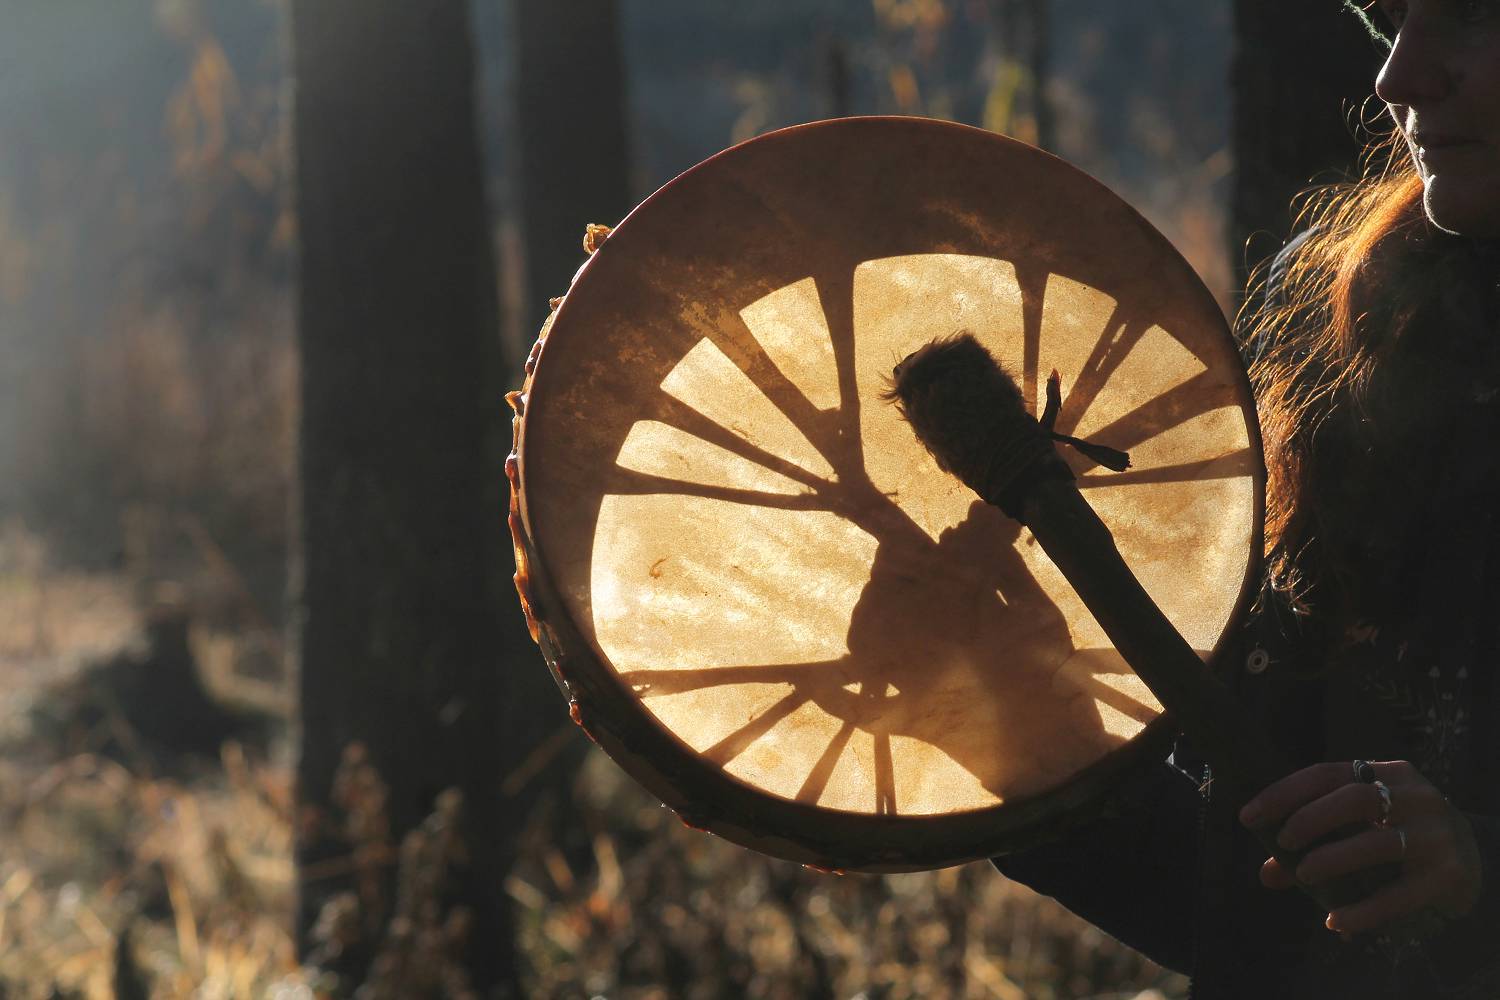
(1463, 212)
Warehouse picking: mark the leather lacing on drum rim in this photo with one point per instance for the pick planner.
(1012, 469)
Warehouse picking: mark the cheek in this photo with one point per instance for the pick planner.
(1491, 91)
(1479, 79)
(1465, 203)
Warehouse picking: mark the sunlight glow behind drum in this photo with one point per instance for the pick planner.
(873, 649)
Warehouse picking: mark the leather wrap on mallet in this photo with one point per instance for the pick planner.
(970, 416)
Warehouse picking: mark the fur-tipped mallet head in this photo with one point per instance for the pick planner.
(962, 405)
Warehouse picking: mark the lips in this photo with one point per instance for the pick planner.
(1430, 141)
(1441, 151)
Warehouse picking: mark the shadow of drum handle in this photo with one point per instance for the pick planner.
(992, 443)
(1077, 541)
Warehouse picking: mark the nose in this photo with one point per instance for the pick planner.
(1416, 73)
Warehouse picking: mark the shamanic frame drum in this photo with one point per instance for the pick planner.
(763, 598)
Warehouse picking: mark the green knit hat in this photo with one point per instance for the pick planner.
(1379, 32)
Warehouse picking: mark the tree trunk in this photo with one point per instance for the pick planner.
(1039, 13)
(1302, 73)
(402, 622)
(572, 143)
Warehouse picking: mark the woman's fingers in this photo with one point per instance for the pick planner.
(1409, 894)
(1280, 798)
(1432, 841)
(1416, 798)
(1366, 849)
(1346, 804)
(1273, 875)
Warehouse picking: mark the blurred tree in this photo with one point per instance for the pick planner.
(572, 142)
(1020, 32)
(404, 623)
(1302, 74)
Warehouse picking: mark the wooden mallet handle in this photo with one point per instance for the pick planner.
(970, 416)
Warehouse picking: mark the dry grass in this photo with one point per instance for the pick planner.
(652, 909)
(194, 866)
(51, 621)
(191, 873)
(197, 870)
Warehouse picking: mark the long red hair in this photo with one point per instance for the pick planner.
(1322, 331)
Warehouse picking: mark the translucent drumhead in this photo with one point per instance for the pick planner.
(757, 550)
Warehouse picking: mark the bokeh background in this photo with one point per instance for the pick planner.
(152, 635)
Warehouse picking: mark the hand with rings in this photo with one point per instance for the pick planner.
(1400, 816)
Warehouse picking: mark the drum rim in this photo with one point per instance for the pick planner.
(820, 836)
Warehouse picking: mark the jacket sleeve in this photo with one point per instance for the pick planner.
(1133, 872)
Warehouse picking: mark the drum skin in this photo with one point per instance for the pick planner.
(762, 596)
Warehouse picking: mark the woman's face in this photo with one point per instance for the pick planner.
(1442, 86)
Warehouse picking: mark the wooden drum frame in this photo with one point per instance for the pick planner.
(760, 594)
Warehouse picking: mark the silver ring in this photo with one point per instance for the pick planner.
(1364, 772)
(1401, 835)
(1385, 803)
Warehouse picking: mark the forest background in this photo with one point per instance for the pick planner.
(160, 331)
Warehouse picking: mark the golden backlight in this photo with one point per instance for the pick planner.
(918, 671)
(757, 550)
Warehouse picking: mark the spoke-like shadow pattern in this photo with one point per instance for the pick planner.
(953, 642)
(962, 615)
